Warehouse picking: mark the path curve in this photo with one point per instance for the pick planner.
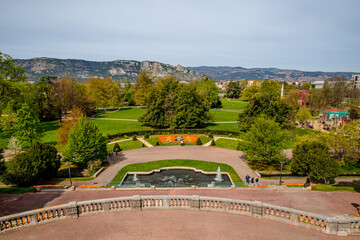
(211, 154)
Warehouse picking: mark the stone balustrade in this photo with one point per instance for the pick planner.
(339, 225)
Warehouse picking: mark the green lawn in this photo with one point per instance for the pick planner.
(127, 113)
(116, 126)
(203, 165)
(224, 116)
(227, 143)
(126, 145)
(235, 104)
(223, 126)
(15, 190)
(153, 139)
(344, 187)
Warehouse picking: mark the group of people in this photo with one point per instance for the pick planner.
(251, 181)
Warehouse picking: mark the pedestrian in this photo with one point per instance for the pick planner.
(116, 151)
(247, 179)
(257, 181)
(252, 181)
(112, 154)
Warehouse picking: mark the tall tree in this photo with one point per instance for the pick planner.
(207, 89)
(143, 87)
(103, 92)
(263, 143)
(40, 162)
(86, 143)
(233, 89)
(303, 114)
(26, 127)
(311, 157)
(62, 133)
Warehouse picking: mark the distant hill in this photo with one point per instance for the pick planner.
(237, 73)
(117, 70)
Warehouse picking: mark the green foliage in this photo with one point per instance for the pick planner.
(15, 190)
(250, 92)
(147, 135)
(143, 87)
(211, 135)
(175, 105)
(337, 187)
(311, 157)
(39, 162)
(303, 114)
(263, 143)
(86, 143)
(116, 147)
(26, 127)
(212, 143)
(134, 138)
(2, 162)
(233, 89)
(207, 89)
(157, 143)
(198, 141)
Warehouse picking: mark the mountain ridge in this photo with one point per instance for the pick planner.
(237, 73)
(117, 69)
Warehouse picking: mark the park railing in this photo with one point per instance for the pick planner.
(339, 225)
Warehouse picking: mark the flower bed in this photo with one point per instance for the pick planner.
(89, 186)
(50, 186)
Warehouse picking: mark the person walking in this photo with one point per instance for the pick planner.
(252, 181)
(257, 181)
(247, 178)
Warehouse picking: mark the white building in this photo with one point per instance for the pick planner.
(355, 81)
(319, 84)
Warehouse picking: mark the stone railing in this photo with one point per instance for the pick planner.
(339, 225)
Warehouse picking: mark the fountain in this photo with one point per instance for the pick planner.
(218, 177)
(135, 177)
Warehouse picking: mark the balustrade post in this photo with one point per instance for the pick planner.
(72, 210)
(33, 219)
(294, 218)
(257, 209)
(225, 206)
(135, 203)
(331, 226)
(106, 206)
(195, 203)
(343, 228)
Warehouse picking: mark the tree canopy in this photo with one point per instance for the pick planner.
(86, 143)
(263, 143)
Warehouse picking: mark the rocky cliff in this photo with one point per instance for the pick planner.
(117, 70)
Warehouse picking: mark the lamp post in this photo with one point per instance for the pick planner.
(68, 164)
(282, 163)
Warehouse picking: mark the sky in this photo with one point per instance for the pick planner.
(309, 35)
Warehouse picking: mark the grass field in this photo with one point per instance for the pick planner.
(117, 126)
(203, 165)
(126, 145)
(344, 187)
(224, 116)
(15, 190)
(235, 104)
(223, 126)
(227, 143)
(127, 113)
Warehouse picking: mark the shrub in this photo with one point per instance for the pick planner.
(116, 146)
(40, 162)
(147, 135)
(230, 135)
(157, 143)
(211, 135)
(238, 146)
(143, 145)
(212, 143)
(134, 138)
(198, 141)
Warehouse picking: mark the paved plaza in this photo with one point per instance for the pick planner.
(171, 224)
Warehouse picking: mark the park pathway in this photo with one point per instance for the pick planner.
(145, 142)
(221, 155)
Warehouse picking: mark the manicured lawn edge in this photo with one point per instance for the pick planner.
(15, 190)
(342, 187)
(202, 165)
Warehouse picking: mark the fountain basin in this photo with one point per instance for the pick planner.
(176, 177)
